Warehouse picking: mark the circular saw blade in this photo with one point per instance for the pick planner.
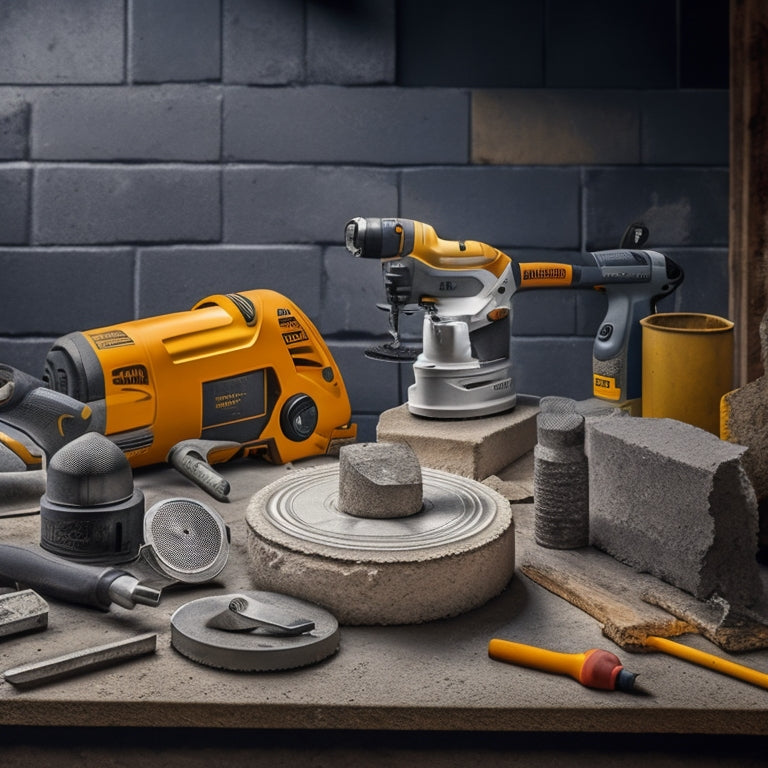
(255, 650)
(392, 353)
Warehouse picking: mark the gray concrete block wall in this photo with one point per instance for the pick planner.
(153, 152)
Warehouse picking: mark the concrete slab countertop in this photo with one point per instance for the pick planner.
(430, 677)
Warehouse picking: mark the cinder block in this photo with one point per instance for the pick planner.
(680, 206)
(118, 203)
(590, 49)
(328, 124)
(149, 123)
(351, 44)
(705, 287)
(263, 41)
(175, 40)
(173, 279)
(536, 207)
(673, 500)
(555, 127)
(372, 386)
(14, 204)
(26, 354)
(499, 44)
(685, 128)
(302, 204)
(704, 44)
(53, 292)
(50, 41)
(14, 125)
(475, 448)
(352, 287)
(553, 366)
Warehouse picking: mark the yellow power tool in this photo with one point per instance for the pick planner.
(238, 374)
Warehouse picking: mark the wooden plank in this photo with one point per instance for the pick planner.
(748, 215)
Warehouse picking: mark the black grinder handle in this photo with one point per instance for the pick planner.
(58, 578)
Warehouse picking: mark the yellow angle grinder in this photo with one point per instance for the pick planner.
(239, 374)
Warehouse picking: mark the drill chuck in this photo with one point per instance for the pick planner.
(375, 238)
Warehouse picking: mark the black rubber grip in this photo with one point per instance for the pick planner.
(51, 419)
(55, 577)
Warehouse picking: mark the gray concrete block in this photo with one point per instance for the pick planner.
(351, 43)
(53, 292)
(175, 40)
(351, 290)
(555, 127)
(672, 500)
(310, 204)
(26, 354)
(501, 44)
(15, 184)
(327, 124)
(552, 366)
(379, 480)
(119, 203)
(705, 287)
(263, 41)
(14, 125)
(589, 49)
(680, 206)
(173, 279)
(536, 207)
(372, 386)
(148, 123)
(475, 448)
(50, 41)
(550, 312)
(685, 128)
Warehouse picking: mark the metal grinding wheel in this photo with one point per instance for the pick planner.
(261, 649)
(453, 555)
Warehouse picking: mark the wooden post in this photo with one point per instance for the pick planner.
(748, 225)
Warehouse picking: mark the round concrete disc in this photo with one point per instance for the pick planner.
(454, 555)
(254, 650)
(304, 507)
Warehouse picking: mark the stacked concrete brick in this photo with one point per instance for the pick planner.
(155, 151)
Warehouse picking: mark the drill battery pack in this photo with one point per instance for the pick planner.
(247, 371)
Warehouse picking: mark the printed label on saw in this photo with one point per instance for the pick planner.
(292, 330)
(544, 274)
(605, 387)
(111, 339)
(234, 399)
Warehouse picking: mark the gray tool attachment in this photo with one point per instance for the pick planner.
(23, 611)
(90, 510)
(265, 646)
(185, 540)
(40, 672)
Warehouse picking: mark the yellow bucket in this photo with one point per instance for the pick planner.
(687, 366)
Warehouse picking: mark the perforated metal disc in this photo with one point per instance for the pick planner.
(253, 651)
(304, 505)
(187, 540)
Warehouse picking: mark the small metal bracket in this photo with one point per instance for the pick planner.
(244, 614)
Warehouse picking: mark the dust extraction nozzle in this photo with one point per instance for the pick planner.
(91, 511)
